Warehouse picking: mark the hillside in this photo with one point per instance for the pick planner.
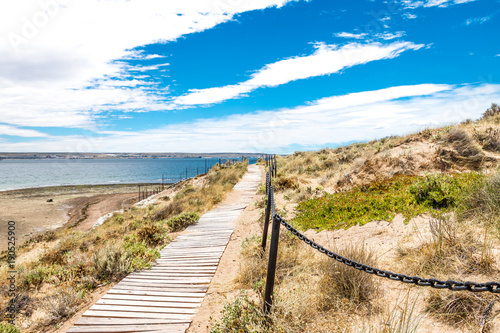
(424, 204)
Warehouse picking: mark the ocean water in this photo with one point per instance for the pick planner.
(18, 174)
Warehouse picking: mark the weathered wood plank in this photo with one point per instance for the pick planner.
(149, 309)
(193, 300)
(145, 315)
(179, 289)
(171, 304)
(129, 328)
(157, 293)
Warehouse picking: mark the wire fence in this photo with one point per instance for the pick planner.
(169, 179)
(270, 213)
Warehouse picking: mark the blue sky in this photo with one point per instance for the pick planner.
(239, 75)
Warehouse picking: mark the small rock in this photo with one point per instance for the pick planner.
(50, 200)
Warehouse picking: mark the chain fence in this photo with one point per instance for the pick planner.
(270, 161)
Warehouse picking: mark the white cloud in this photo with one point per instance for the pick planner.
(372, 37)
(477, 20)
(350, 35)
(51, 51)
(389, 35)
(327, 59)
(433, 3)
(358, 116)
(409, 16)
(14, 131)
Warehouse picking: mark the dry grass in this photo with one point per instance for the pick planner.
(462, 309)
(312, 294)
(341, 283)
(454, 249)
(482, 204)
(111, 261)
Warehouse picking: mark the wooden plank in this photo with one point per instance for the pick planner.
(171, 286)
(177, 275)
(178, 289)
(168, 281)
(153, 298)
(157, 293)
(83, 321)
(145, 315)
(128, 328)
(149, 309)
(124, 302)
(171, 268)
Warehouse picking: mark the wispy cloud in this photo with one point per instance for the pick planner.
(409, 16)
(433, 3)
(371, 37)
(327, 59)
(477, 20)
(15, 131)
(351, 35)
(53, 53)
(357, 116)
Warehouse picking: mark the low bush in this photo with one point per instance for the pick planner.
(382, 200)
(152, 234)
(111, 261)
(241, 316)
(436, 191)
(182, 221)
(8, 328)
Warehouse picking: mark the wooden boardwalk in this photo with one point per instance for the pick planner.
(167, 297)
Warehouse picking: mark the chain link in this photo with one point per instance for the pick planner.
(492, 287)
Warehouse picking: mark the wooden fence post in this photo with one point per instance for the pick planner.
(266, 222)
(271, 267)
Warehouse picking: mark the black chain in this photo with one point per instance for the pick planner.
(492, 287)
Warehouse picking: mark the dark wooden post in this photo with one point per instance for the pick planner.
(271, 268)
(266, 221)
(139, 192)
(275, 167)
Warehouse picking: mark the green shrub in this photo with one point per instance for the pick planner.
(110, 261)
(408, 195)
(437, 191)
(152, 234)
(240, 316)
(8, 328)
(181, 221)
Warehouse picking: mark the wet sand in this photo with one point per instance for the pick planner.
(34, 212)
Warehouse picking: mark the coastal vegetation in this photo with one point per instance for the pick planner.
(439, 192)
(59, 271)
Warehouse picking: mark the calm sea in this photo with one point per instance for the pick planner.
(17, 174)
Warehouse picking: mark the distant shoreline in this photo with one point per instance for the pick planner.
(62, 156)
(65, 188)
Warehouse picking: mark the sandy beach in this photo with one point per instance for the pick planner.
(37, 210)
